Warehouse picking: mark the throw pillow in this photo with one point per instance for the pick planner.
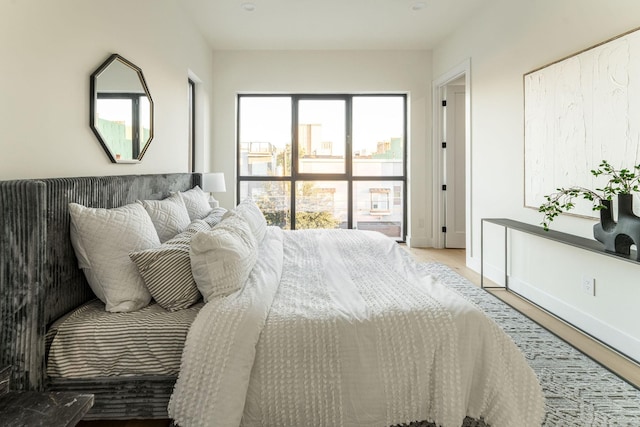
(215, 216)
(169, 216)
(197, 202)
(166, 270)
(223, 257)
(248, 210)
(102, 240)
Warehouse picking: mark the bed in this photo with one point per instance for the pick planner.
(40, 282)
(333, 327)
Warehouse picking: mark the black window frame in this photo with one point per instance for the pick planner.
(192, 123)
(347, 176)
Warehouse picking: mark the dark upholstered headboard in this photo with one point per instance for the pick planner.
(39, 275)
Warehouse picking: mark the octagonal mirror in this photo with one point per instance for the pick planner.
(121, 110)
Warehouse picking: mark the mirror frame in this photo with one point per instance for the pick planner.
(94, 100)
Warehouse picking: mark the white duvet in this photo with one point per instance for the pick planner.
(338, 328)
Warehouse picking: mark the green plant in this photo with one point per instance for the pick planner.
(621, 181)
(322, 219)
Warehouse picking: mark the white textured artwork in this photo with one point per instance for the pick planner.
(578, 112)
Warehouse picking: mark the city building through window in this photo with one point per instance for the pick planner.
(380, 201)
(325, 161)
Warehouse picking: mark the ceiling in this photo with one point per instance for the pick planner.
(328, 24)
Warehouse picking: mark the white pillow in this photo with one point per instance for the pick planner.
(223, 257)
(215, 216)
(169, 216)
(248, 210)
(102, 240)
(166, 269)
(197, 202)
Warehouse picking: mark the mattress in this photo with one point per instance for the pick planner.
(91, 342)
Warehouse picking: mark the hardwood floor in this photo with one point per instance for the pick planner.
(455, 259)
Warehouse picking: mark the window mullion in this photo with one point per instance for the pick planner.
(349, 161)
(135, 125)
(294, 157)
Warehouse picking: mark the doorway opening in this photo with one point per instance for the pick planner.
(452, 160)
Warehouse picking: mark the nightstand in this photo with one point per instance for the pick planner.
(33, 408)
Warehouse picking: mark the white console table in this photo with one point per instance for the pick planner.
(557, 236)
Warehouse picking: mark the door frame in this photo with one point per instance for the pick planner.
(438, 93)
(454, 175)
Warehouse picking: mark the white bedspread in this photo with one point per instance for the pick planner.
(338, 328)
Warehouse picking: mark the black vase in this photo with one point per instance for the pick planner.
(619, 236)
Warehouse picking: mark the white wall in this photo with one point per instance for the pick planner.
(329, 72)
(48, 50)
(506, 40)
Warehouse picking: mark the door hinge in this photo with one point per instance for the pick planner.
(444, 145)
(444, 229)
(444, 187)
(444, 102)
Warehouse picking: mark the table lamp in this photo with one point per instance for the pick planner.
(213, 183)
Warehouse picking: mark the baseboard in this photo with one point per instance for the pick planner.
(490, 272)
(614, 338)
(419, 242)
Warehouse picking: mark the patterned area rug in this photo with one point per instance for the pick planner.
(579, 391)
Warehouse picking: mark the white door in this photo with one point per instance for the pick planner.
(455, 209)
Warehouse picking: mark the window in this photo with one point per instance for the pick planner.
(122, 122)
(192, 125)
(379, 201)
(325, 161)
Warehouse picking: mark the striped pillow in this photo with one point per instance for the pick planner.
(166, 270)
(215, 216)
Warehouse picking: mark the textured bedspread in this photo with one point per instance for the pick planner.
(339, 328)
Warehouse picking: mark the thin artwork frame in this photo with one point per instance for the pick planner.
(578, 111)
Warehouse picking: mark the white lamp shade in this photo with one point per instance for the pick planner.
(213, 182)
